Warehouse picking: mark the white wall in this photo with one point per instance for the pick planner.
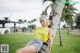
(2, 30)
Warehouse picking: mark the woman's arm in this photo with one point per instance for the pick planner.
(50, 38)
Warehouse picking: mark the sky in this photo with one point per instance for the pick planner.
(20, 9)
(24, 9)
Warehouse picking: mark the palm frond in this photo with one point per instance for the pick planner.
(45, 11)
(74, 3)
(49, 0)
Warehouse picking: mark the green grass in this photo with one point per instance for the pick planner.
(71, 43)
(15, 41)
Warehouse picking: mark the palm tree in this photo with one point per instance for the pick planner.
(31, 26)
(20, 21)
(25, 21)
(6, 18)
(68, 14)
(55, 15)
(45, 13)
(60, 35)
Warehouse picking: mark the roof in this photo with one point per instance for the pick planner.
(7, 21)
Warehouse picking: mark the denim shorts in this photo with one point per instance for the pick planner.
(37, 43)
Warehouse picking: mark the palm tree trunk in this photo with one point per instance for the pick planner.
(54, 19)
(68, 28)
(57, 10)
(60, 35)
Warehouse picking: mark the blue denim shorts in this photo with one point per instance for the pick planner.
(37, 43)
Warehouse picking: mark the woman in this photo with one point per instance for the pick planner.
(41, 34)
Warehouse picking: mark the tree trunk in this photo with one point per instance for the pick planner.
(57, 11)
(68, 28)
(60, 35)
(54, 20)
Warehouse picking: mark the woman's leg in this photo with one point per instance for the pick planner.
(27, 49)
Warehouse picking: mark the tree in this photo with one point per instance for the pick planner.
(55, 15)
(68, 13)
(60, 35)
(31, 21)
(45, 13)
(6, 18)
(20, 21)
(32, 26)
(25, 21)
(78, 21)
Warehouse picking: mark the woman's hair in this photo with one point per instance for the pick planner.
(45, 17)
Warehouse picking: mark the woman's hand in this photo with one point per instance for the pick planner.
(50, 38)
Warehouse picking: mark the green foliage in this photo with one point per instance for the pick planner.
(68, 13)
(33, 26)
(31, 21)
(6, 18)
(78, 26)
(20, 21)
(64, 26)
(78, 21)
(45, 11)
(25, 21)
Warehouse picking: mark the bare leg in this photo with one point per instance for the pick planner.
(27, 49)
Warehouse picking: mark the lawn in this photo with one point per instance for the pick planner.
(71, 42)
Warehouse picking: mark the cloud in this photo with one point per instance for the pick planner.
(18, 9)
(18, 5)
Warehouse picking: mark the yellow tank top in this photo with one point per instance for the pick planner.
(41, 33)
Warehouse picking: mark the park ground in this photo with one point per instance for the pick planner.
(71, 42)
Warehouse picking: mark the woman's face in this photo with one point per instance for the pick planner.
(43, 22)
